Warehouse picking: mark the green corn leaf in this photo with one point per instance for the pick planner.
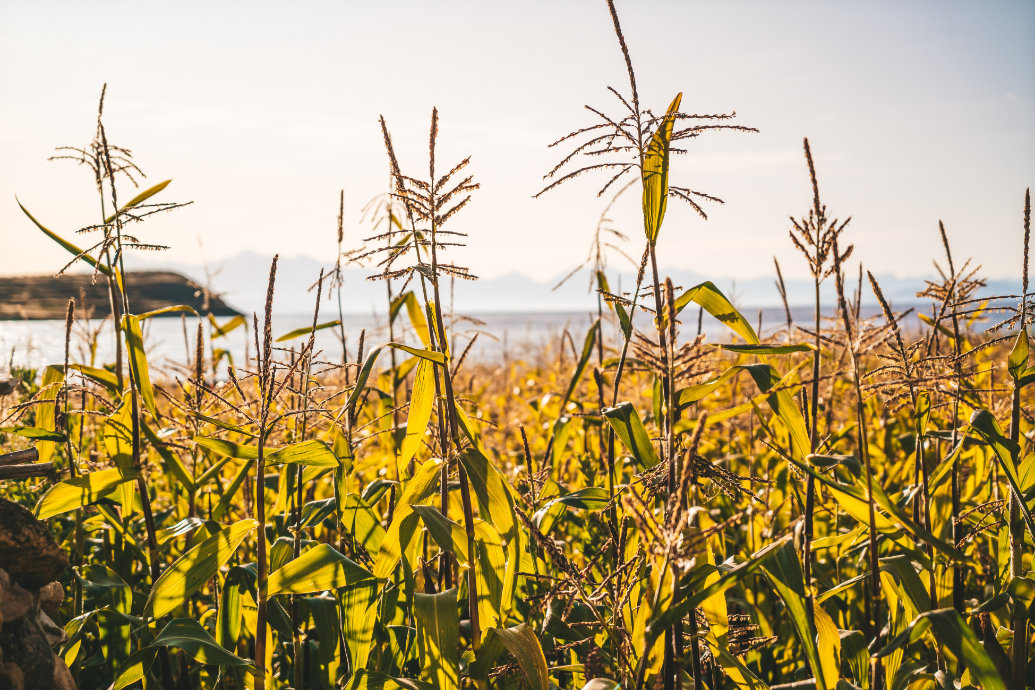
(709, 297)
(438, 638)
(34, 432)
(449, 535)
(360, 604)
(311, 453)
(942, 328)
(496, 505)
(422, 400)
(590, 498)
(372, 680)
(493, 493)
(1027, 377)
(418, 319)
(922, 413)
(362, 523)
(953, 635)
(306, 330)
(135, 667)
(176, 308)
(141, 198)
(223, 425)
(138, 362)
(766, 350)
(81, 491)
(68, 246)
(318, 569)
(239, 581)
(104, 377)
(785, 574)
(188, 634)
(230, 449)
(368, 365)
(890, 519)
(195, 568)
(730, 573)
(522, 642)
(231, 324)
(490, 564)
(170, 460)
(655, 173)
(402, 529)
(623, 316)
(777, 396)
(1005, 451)
(46, 410)
(1018, 359)
(580, 367)
(630, 430)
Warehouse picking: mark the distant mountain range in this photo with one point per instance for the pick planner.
(241, 281)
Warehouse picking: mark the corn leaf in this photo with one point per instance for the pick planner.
(189, 635)
(81, 491)
(359, 602)
(765, 350)
(141, 198)
(1005, 451)
(368, 365)
(68, 246)
(231, 324)
(655, 173)
(195, 568)
(306, 330)
(1018, 358)
(438, 638)
(522, 642)
(320, 568)
(708, 296)
(785, 574)
(402, 529)
(230, 449)
(630, 430)
(619, 309)
(176, 308)
(138, 362)
(422, 399)
(46, 412)
(311, 453)
(952, 634)
(373, 680)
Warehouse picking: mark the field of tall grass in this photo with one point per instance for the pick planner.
(841, 505)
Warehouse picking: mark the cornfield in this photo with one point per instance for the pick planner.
(840, 504)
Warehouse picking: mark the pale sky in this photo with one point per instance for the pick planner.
(261, 111)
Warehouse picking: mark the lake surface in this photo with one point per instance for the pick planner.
(170, 340)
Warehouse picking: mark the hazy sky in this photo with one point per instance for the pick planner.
(260, 112)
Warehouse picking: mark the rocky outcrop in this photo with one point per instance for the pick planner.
(30, 562)
(28, 551)
(46, 297)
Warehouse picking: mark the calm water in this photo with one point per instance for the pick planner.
(501, 336)
(170, 341)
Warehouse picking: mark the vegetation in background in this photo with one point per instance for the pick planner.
(846, 504)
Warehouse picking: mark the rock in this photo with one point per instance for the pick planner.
(15, 601)
(11, 677)
(63, 679)
(54, 633)
(28, 551)
(51, 596)
(8, 386)
(27, 649)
